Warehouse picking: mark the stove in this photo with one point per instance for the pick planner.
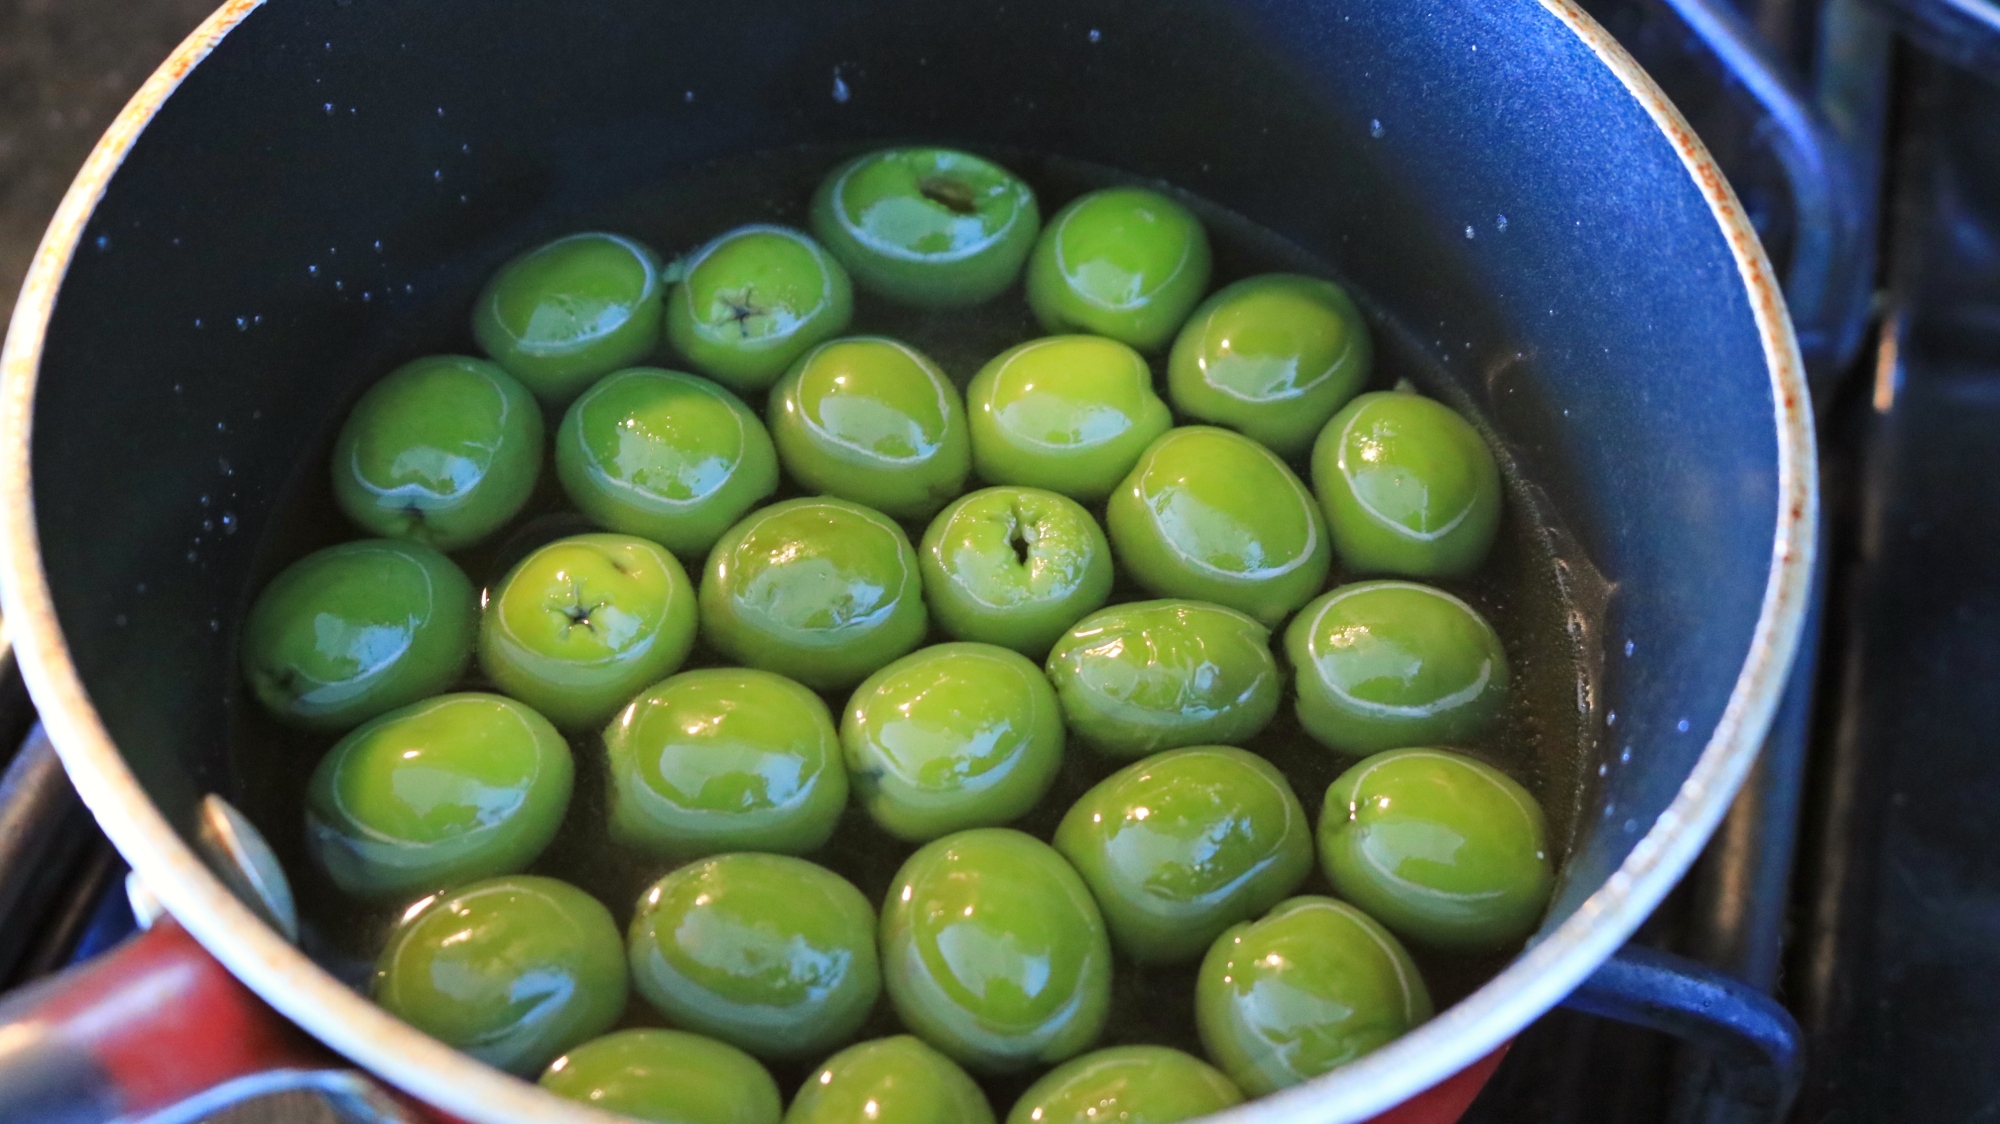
(1856, 881)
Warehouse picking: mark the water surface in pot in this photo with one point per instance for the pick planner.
(1539, 591)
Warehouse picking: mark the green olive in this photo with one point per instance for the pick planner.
(1212, 515)
(1444, 850)
(726, 759)
(1383, 664)
(872, 420)
(1271, 357)
(1070, 414)
(895, 1080)
(950, 737)
(511, 970)
(1408, 486)
(754, 300)
(1151, 675)
(994, 952)
(1312, 986)
(441, 792)
(666, 1077)
(1183, 845)
(1123, 262)
(1126, 1085)
(565, 313)
(443, 451)
(357, 630)
(931, 227)
(766, 952)
(821, 590)
(581, 624)
(1014, 567)
(666, 456)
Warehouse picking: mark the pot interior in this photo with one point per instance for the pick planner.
(323, 195)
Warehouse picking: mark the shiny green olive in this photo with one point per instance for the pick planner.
(666, 456)
(1383, 664)
(441, 792)
(1312, 986)
(1014, 567)
(666, 1077)
(1151, 675)
(895, 1080)
(950, 737)
(1444, 850)
(1070, 414)
(563, 314)
(1126, 1085)
(1271, 357)
(512, 970)
(821, 590)
(994, 952)
(931, 227)
(443, 451)
(1210, 514)
(1408, 486)
(1123, 262)
(754, 300)
(726, 759)
(357, 630)
(581, 624)
(1183, 845)
(766, 952)
(872, 420)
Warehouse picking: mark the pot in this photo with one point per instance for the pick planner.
(303, 183)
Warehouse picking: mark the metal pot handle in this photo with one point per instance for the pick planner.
(1753, 1041)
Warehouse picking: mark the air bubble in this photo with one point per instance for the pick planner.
(1628, 648)
(1375, 129)
(1682, 725)
(204, 499)
(1096, 35)
(228, 521)
(1625, 755)
(1500, 223)
(378, 245)
(1603, 770)
(688, 97)
(104, 242)
(214, 624)
(222, 427)
(1611, 719)
(329, 109)
(1468, 231)
(1631, 826)
(437, 176)
(840, 91)
(312, 271)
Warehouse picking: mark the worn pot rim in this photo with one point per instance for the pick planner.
(441, 1076)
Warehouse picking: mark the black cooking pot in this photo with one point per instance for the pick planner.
(321, 195)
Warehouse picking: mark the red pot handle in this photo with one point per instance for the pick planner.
(147, 1025)
(1446, 1101)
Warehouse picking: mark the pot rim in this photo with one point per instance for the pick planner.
(441, 1076)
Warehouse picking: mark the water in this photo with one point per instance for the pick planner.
(1537, 589)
